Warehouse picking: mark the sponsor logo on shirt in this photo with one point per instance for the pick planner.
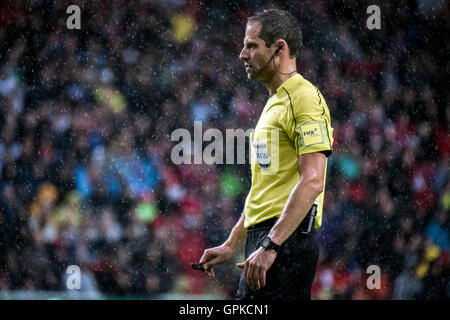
(262, 153)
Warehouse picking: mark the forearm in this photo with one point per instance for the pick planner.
(297, 206)
(237, 235)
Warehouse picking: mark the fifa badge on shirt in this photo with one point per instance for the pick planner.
(311, 133)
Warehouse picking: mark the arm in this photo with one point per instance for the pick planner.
(222, 253)
(311, 183)
(237, 235)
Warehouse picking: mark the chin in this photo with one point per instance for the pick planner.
(251, 76)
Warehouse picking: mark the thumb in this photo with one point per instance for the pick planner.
(241, 265)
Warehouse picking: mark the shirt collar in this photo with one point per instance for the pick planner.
(287, 83)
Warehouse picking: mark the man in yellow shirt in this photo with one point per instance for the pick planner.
(290, 146)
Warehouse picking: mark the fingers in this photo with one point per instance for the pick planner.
(209, 260)
(262, 278)
(214, 256)
(246, 268)
(210, 273)
(254, 274)
(206, 256)
(209, 269)
(248, 278)
(254, 277)
(211, 263)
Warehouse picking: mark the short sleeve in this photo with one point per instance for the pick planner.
(307, 122)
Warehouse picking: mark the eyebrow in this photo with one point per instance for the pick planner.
(250, 42)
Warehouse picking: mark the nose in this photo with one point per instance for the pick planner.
(243, 55)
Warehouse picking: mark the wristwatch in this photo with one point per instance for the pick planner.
(268, 244)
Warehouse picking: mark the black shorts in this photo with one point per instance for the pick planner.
(291, 275)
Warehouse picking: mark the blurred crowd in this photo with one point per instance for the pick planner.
(86, 176)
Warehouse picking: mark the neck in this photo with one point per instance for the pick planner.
(280, 75)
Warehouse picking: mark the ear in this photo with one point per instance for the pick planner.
(281, 45)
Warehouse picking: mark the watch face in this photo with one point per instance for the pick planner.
(265, 242)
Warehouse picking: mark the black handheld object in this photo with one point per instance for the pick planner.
(308, 223)
(198, 266)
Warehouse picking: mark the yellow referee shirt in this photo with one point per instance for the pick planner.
(295, 121)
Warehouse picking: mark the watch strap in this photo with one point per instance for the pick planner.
(268, 244)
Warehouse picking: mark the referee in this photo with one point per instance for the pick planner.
(291, 143)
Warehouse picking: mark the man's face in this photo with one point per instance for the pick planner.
(255, 54)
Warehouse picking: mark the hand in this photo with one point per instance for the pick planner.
(256, 266)
(213, 256)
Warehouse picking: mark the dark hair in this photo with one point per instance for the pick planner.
(279, 24)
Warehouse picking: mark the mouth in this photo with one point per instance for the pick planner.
(248, 67)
